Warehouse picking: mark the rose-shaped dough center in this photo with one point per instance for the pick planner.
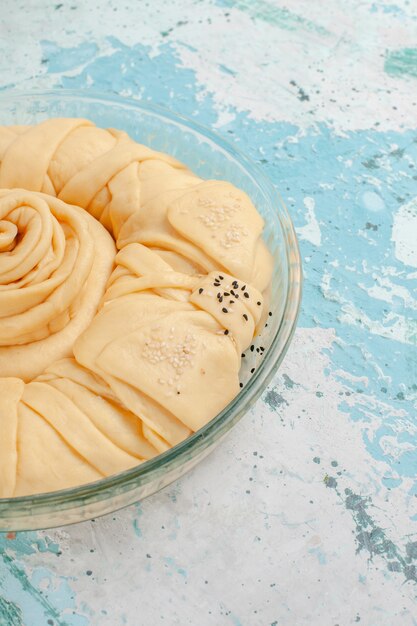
(55, 261)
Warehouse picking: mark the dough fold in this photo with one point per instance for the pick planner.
(140, 195)
(129, 287)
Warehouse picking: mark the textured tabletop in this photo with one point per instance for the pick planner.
(307, 513)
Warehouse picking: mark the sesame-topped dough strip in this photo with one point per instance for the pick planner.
(221, 221)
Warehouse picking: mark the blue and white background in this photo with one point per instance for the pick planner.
(307, 513)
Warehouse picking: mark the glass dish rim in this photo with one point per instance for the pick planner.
(214, 429)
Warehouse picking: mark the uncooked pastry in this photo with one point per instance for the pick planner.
(129, 287)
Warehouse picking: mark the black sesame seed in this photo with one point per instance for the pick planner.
(252, 348)
(219, 295)
(235, 284)
(200, 290)
(241, 385)
(221, 299)
(226, 332)
(261, 348)
(216, 284)
(231, 301)
(258, 303)
(266, 325)
(246, 294)
(270, 313)
(252, 370)
(244, 287)
(257, 350)
(224, 310)
(226, 293)
(243, 355)
(221, 277)
(245, 316)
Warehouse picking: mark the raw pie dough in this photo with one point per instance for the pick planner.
(129, 288)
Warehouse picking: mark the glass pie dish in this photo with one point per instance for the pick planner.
(210, 157)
